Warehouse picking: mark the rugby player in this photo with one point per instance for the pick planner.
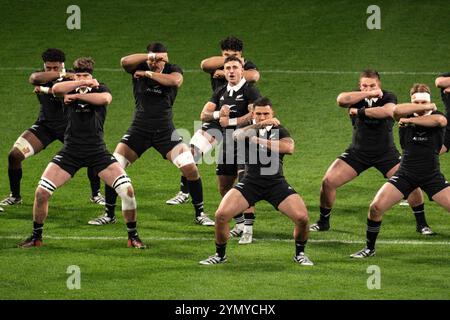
(49, 126)
(443, 83)
(210, 134)
(155, 86)
(266, 142)
(419, 168)
(85, 106)
(372, 146)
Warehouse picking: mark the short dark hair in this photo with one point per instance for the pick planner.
(262, 102)
(156, 47)
(373, 74)
(53, 55)
(232, 43)
(84, 64)
(233, 58)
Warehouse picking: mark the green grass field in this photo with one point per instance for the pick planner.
(307, 52)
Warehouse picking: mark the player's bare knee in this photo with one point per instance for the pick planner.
(327, 183)
(41, 196)
(221, 217)
(375, 210)
(190, 171)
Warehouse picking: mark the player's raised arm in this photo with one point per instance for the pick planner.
(382, 112)
(347, 99)
(62, 88)
(174, 79)
(94, 98)
(131, 62)
(405, 109)
(433, 120)
(39, 78)
(211, 64)
(209, 114)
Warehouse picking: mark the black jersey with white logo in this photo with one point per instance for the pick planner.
(84, 131)
(219, 82)
(262, 162)
(52, 108)
(153, 101)
(373, 135)
(421, 147)
(237, 98)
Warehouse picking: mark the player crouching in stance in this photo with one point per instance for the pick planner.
(86, 102)
(266, 144)
(423, 129)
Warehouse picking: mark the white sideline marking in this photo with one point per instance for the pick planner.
(389, 242)
(409, 73)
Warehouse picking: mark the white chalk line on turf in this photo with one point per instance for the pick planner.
(388, 242)
(408, 73)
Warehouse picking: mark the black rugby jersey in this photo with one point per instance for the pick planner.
(153, 101)
(373, 135)
(84, 131)
(421, 148)
(219, 82)
(261, 162)
(237, 97)
(51, 107)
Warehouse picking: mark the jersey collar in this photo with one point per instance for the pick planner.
(232, 89)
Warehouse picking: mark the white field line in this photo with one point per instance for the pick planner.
(409, 73)
(388, 242)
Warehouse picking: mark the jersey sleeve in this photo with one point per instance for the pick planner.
(389, 97)
(102, 88)
(283, 133)
(215, 97)
(175, 68)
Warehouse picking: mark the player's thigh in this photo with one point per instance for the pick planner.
(443, 198)
(111, 173)
(232, 204)
(126, 151)
(56, 175)
(392, 170)
(387, 196)
(294, 207)
(33, 140)
(339, 173)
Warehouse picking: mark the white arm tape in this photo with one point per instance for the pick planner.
(232, 122)
(216, 115)
(44, 89)
(24, 147)
(201, 142)
(183, 159)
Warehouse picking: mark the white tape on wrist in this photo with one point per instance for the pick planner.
(44, 89)
(232, 122)
(216, 115)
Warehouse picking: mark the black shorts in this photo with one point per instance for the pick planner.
(163, 140)
(73, 161)
(447, 138)
(361, 161)
(48, 132)
(214, 129)
(406, 182)
(230, 162)
(273, 191)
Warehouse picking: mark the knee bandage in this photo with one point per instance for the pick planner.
(122, 160)
(47, 185)
(122, 185)
(24, 147)
(201, 142)
(183, 159)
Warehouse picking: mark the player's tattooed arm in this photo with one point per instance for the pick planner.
(443, 83)
(174, 79)
(250, 131)
(383, 112)
(38, 78)
(346, 99)
(130, 63)
(208, 113)
(405, 109)
(95, 98)
(433, 120)
(62, 88)
(284, 146)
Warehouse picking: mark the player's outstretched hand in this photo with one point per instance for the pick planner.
(352, 112)
(403, 122)
(225, 111)
(92, 83)
(139, 74)
(224, 121)
(219, 74)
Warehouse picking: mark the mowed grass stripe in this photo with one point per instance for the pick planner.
(389, 242)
